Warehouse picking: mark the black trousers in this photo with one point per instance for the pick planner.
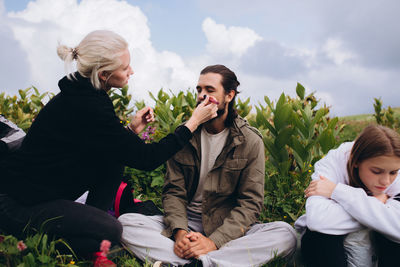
(323, 250)
(82, 226)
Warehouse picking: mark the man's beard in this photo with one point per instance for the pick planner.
(220, 111)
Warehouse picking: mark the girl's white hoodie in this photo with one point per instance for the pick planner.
(349, 209)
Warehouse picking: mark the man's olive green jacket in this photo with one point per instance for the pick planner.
(233, 190)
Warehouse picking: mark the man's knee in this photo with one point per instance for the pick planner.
(280, 228)
(138, 220)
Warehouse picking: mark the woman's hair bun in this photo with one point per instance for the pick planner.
(64, 52)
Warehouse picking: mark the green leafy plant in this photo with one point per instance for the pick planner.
(172, 110)
(23, 108)
(243, 107)
(385, 117)
(121, 99)
(147, 185)
(35, 250)
(295, 135)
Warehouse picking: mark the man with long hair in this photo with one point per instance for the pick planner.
(213, 194)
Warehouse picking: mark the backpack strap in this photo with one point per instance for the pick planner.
(117, 201)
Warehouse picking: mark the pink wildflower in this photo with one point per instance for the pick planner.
(21, 245)
(147, 134)
(101, 256)
(1, 238)
(105, 247)
(102, 261)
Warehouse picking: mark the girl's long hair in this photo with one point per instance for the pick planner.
(373, 141)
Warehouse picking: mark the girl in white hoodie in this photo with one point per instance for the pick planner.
(354, 187)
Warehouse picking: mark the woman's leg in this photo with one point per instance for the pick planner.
(388, 251)
(104, 186)
(320, 249)
(82, 226)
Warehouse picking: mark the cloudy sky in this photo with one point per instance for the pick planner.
(345, 51)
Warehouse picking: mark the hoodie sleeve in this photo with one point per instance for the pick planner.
(327, 215)
(369, 211)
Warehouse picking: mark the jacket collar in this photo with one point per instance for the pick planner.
(235, 138)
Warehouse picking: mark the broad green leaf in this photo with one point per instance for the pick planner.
(284, 167)
(303, 130)
(326, 140)
(283, 137)
(44, 243)
(44, 258)
(115, 102)
(282, 116)
(152, 96)
(22, 93)
(318, 116)
(298, 158)
(281, 101)
(298, 148)
(283, 155)
(270, 148)
(263, 122)
(333, 122)
(270, 105)
(29, 260)
(300, 91)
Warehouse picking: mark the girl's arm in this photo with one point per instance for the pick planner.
(326, 215)
(369, 210)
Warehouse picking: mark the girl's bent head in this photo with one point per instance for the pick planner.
(98, 55)
(375, 159)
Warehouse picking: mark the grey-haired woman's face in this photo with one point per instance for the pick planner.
(120, 77)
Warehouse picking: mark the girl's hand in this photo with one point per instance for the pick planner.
(322, 187)
(141, 119)
(382, 198)
(205, 111)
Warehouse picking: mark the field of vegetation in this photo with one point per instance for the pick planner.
(295, 132)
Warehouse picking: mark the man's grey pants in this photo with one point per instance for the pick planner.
(261, 243)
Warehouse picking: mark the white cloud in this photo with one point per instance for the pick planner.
(329, 63)
(14, 66)
(336, 52)
(234, 40)
(44, 23)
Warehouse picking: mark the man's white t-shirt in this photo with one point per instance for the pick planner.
(211, 147)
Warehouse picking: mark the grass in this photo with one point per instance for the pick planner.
(354, 124)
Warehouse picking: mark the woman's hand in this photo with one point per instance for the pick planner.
(141, 119)
(205, 111)
(322, 187)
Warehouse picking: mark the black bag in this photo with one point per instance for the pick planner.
(125, 203)
(11, 137)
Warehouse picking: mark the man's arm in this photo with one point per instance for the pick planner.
(250, 198)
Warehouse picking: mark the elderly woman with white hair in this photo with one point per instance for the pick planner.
(77, 143)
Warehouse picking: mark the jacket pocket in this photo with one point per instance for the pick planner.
(230, 174)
